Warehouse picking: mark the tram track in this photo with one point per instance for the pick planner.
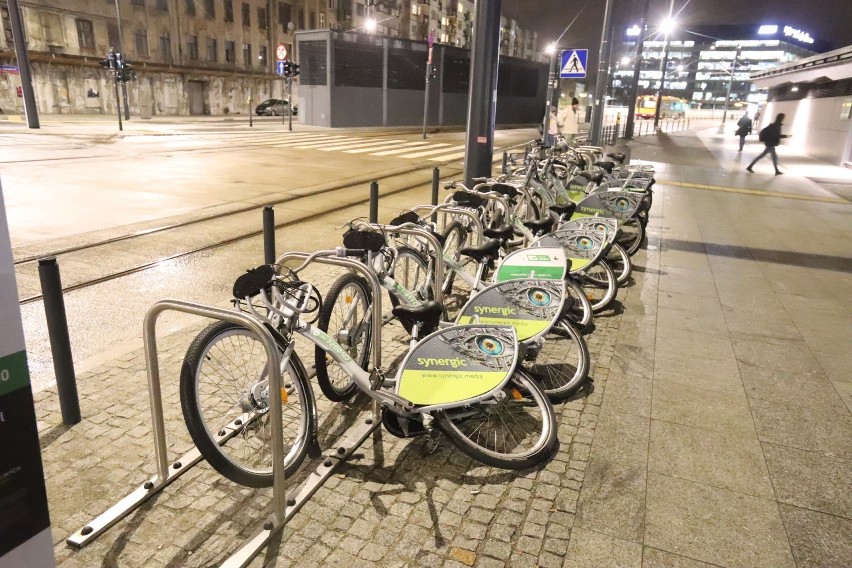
(130, 242)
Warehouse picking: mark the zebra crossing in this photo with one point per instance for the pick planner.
(372, 146)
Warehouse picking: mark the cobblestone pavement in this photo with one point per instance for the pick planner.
(394, 505)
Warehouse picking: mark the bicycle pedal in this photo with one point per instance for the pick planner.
(377, 379)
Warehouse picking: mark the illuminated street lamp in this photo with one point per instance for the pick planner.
(550, 50)
(370, 25)
(667, 28)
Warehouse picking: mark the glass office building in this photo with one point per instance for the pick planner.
(701, 60)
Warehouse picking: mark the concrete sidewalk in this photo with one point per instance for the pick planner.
(719, 432)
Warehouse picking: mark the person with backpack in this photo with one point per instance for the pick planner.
(770, 136)
(743, 130)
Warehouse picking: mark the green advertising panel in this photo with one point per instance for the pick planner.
(546, 263)
(581, 246)
(457, 364)
(530, 306)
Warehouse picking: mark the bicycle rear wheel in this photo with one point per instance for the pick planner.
(632, 235)
(620, 262)
(514, 430)
(561, 366)
(225, 402)
(345, 316)
(580, 310)
(599, 283)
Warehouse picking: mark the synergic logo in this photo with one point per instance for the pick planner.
(441, 362)
(494, 310)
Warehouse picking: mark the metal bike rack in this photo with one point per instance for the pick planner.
(492, 195)
(434, 244)
(444, 208)
(167, 473)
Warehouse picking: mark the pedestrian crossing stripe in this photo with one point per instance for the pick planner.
(401, 147)
(335, 140)
(573, 63)
(350, 145)
(403, 150)
(430, 152)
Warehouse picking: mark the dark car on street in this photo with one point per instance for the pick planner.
(275, 107)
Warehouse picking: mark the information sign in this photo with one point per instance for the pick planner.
(573, 64)
(25, 539)
(279, 67)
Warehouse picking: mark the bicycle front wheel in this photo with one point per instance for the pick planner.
(620, 262)
(561, 365)
(632, 235)
(514, 430)
(599, 283)
(224, 397)
(345, 316)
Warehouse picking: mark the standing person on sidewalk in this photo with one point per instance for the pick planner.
(771, 136)
(569, 122)
(744, 129)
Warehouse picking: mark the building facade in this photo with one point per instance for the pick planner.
(705, 61)
(201, 57)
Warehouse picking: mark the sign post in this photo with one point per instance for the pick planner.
(281, 69)
(25, 538)
(431, 42)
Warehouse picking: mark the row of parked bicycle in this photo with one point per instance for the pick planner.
(496, 287)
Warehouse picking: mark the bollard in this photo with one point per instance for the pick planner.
(60, 344)
(436, 182)
(268, 235)
(374, 202)
(505, 169)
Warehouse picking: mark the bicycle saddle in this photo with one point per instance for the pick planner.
(593, 177)
(488, 249)
(540, 226)
(564, 210)
(505, 189)
(468, 199)
(428, 315)
(503, 232)
(617, 156)
(253, 281)
(605, 165)
(405, 217)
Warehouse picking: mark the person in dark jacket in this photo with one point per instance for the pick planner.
(743, 130)
(771, 136)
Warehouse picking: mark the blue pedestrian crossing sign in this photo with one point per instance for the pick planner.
(279, 67)
(573, 64)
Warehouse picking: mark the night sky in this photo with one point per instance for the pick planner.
(830, 20)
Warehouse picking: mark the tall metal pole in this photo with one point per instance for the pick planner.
(428, 80)
(601, 79)
(730, 83)
(290, 104)
(637, 68)
(23, 65)
(663, 67)
(120, 49)
(551, 79)
(482, 95)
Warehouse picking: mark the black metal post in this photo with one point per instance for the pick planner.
(505, 168)
(268, 235)
(117, 99)
(27, 91)
(60, 344)
(436, 182)
(120, 49)
(637, 68)
(601, 78)
(251, 114)
(290, 104)
(374, 202)
(663, 67)
(482, 94)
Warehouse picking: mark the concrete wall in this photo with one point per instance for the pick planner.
(816, 127)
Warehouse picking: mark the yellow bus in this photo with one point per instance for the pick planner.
(672, 107)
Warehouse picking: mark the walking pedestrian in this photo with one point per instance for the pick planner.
(569, 122)
(744, 129)
(552, 127)
(771, 136)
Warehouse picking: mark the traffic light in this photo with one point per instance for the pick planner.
(294, 70)
(287, 68)
(108, 62)
(127, 73)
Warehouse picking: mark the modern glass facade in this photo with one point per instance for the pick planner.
(701, 61)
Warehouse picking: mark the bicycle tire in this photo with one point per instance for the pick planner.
(408, 258)
(632, 235)
(246, 457)
(580, 312)
(519, 394)
(599, 276)
(333, 381)
(455, 237)
(620, 262)
(561, 366)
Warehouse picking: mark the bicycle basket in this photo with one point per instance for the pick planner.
(372, 241)
(405, 217)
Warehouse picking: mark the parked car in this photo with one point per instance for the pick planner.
(275, 107)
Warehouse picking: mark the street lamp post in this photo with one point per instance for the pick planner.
(120, 49)
(662, 82)
(637, 67)
(551, 79)
(730, 83)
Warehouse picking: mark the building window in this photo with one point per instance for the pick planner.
(163, 5)
(210, 9)
(261, 56)
(85, 34)
(246, 14)
(212, 50)
(142, 42)
(312, 23)
(322, 20)
(229, 10)
(166, 46)
(285, 15)
(192, 47)
(137, 3)
(359, 9)
(112, 34)
(261, 18)
(247, 54)
(190, 7)
(230, 52)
